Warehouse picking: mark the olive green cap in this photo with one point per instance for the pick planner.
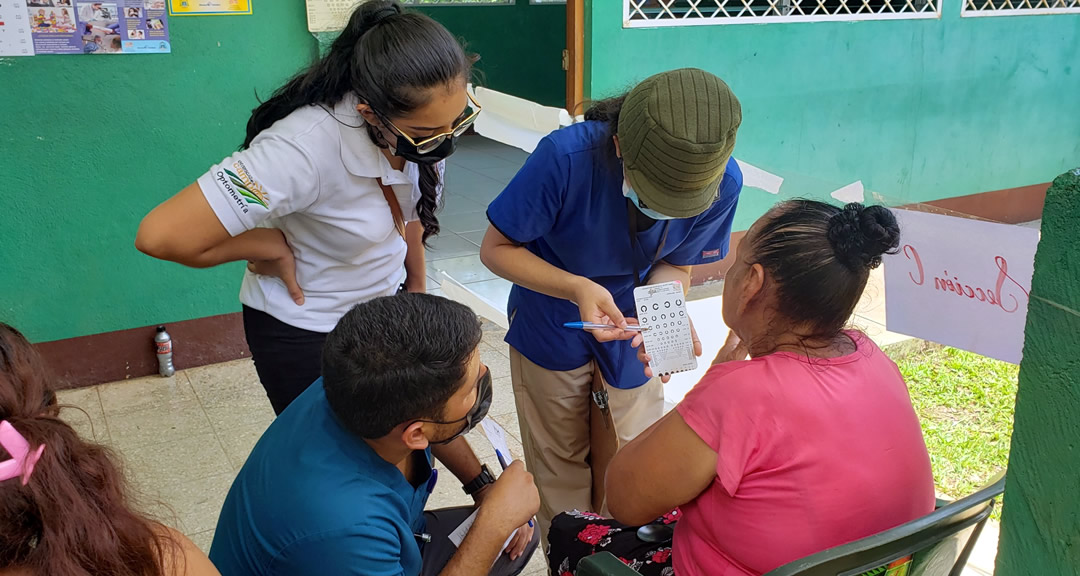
(676, 134)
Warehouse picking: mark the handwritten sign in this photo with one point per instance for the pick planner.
(961, 282)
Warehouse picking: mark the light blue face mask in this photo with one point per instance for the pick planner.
(629, 193)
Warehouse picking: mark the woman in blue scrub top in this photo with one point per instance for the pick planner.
(639, 193)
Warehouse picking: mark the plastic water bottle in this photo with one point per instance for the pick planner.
(163, 346)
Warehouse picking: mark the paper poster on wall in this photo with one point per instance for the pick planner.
(15, 37)
(329, 15)
(961, 282)
(119, 27)
(209, 7)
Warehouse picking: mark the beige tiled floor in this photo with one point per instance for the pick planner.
(182, 439)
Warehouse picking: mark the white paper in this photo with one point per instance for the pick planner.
(754, 177)
(854, 192)
(497, 436)
(458, 292)
(961, 282)
(15, 38)
(329, 15)
(515, 121)
(661, 312)
(458, 535)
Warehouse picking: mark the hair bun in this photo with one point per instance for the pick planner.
(371, 14)
(860, 235)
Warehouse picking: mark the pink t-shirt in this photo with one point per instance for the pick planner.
(813, 453)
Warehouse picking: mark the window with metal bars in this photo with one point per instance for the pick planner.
(1019, 7)
(650, 13)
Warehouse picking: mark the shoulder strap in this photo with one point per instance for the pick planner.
(395, 208)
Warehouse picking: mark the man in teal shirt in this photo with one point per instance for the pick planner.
(338, 483)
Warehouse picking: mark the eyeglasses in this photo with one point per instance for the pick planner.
(428, 144)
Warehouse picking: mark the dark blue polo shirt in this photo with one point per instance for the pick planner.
(314, 499)
(566, 206)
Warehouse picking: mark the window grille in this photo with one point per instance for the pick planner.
(1019, 7)
(656, 13)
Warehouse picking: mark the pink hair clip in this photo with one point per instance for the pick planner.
(21, 463)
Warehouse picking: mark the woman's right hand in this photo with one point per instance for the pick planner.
(511, 501)
(281, 265)
(595, 304)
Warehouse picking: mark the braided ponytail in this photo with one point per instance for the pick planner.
(429, 199)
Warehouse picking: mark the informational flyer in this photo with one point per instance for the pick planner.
(15, 38)
(118, 27)
(209, 7)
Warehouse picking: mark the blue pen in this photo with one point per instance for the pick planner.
(595, 326)
(505, 465)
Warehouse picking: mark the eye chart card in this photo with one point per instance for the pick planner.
(665, 326)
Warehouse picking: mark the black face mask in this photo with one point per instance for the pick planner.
(406, 150)
(477, 413)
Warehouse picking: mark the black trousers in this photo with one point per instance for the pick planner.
(437, 553)
(288, 359)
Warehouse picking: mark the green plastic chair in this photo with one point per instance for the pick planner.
(938, 544)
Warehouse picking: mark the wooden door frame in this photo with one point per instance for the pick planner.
(574, 56)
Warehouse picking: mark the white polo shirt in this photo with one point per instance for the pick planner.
(312, 175)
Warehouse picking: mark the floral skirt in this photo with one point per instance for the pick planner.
(575, 535)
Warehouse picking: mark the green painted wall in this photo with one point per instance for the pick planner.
(915, 109)
(520, 46)
(89, 144)
(1041, 524)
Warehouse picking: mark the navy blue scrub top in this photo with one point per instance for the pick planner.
(566, 206)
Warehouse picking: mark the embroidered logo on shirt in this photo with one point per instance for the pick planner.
(711, 253)
(247, 186)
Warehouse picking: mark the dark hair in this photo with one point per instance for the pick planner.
(388, 58)
(395, 359)
(607, 111)
(820, 257)
(73, 516)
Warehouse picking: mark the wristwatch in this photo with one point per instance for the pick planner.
(478, 483)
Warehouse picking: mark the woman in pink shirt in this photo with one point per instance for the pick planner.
(810, 443)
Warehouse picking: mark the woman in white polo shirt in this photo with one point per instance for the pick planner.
(334, 191)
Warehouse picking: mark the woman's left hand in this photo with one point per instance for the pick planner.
(644, 357)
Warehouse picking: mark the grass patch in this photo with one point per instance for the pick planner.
(965, 403)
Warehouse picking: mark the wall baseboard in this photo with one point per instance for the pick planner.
(124, 354)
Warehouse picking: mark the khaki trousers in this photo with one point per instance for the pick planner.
(553, 413)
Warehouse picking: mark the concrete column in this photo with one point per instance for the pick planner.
(1040, 532)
